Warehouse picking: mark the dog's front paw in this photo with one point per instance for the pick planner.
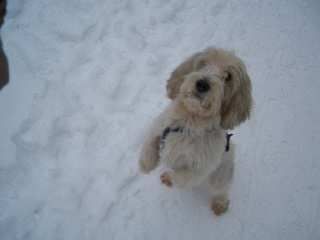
(220, 206)
(166, 179)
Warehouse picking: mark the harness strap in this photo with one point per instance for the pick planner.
(228, 136)
(168, 130)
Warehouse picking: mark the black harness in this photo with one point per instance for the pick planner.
(168, 130)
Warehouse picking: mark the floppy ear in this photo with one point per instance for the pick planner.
(237, 108)
(177, 76)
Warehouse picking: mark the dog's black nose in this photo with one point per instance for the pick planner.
(202, 85)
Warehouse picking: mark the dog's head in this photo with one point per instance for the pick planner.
(213, 83)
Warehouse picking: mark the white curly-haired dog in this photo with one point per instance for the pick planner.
(211, 93)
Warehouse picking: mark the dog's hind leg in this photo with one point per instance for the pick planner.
(220, 181)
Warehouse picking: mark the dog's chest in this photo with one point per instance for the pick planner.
(183, 149)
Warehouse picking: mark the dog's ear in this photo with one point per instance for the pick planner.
(237, 107)
(177, 76)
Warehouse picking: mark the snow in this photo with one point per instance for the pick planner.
(88, 76)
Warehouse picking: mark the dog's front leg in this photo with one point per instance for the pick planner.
(149, 156)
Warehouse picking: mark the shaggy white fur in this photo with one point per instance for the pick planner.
(211, 93)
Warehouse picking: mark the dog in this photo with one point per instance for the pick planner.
(211, 94)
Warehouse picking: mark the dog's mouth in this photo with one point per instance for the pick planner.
(196, 102)
(193, 95)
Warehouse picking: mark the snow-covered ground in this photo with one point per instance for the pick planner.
(87, 77)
